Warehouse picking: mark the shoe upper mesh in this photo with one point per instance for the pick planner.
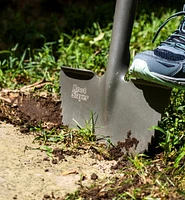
(168, 55)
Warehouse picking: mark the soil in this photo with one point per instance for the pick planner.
(31, 174)
(34, 168)
(28, 172)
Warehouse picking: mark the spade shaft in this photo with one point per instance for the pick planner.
(119, 54)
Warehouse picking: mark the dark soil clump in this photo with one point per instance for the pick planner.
(28, 110)
(61, 154)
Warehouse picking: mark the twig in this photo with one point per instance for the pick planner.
(26, 88)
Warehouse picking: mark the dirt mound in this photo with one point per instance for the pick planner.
(28, 109)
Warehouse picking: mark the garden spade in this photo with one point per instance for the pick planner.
(117, 110)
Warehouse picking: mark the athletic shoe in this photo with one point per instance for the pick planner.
(164, 65)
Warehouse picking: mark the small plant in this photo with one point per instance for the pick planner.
(48, 136)
(87, 132)
(47, 149)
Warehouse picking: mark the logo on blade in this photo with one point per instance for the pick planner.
(79, 93)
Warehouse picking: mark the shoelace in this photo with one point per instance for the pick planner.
(175, 34)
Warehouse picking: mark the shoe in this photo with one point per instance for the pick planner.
(165, 65)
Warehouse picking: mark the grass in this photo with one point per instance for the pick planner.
(161, 177)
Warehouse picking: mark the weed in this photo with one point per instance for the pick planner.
(47, 149)
(74, 196)
(48, 136)
(87, 132)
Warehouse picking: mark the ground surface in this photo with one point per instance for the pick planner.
(31, 174)
(28, 173)
(43, 160)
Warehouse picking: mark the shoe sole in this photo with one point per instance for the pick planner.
(140, 70)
